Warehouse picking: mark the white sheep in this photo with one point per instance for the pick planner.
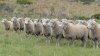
(16, 25)
(94, 31)
(8, 24)
(38, 27)
(56, 30)
(22, 24)
(73, 32)
(29, 26)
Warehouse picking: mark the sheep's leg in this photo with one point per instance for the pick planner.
(69, 40)
(84, 41)
(58, 41)
(72, 41)
(51, 39)
(47, 40)
(96, 43)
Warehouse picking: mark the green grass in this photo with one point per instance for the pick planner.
(16, 44)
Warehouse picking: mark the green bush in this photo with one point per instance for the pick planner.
(80, 18)
(24, 1)
(96, 16)
(87, 1)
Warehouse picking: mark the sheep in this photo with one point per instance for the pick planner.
(8, 24)
(75, 32)
(38, 27)
(22, 24)
(82, 22)
(56, 31)
(94, 30)
(46, 29)
(44, 25)
(16, 25)
(29, 26)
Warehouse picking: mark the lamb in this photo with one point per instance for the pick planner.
(22, 24)
(75, 32)
(29, 26)
(16, 25)
(8, 24)
(94, 30)
(56, 31)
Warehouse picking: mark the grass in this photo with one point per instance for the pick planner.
(16, 44)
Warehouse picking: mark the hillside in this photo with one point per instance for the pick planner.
(48, 8)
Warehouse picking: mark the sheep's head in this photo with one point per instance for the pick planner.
(20, 19)
(83, 22)
(13, 19)
(55, 24)
(91, 24)
(64, 25)
(45, 21)
(36, 21)
(27, 20)
(50, 23)
(4, 20)
(64, 20)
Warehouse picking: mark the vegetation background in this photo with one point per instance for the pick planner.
(16, 44)
(71, 9)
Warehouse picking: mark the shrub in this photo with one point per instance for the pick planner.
(80, 17)
(96, 16)
(24, 1)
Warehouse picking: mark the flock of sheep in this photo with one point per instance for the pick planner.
(70, 30)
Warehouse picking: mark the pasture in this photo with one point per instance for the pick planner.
(17, 44)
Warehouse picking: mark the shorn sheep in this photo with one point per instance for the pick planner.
(94, 32)
(75, 32)
(7, 24)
